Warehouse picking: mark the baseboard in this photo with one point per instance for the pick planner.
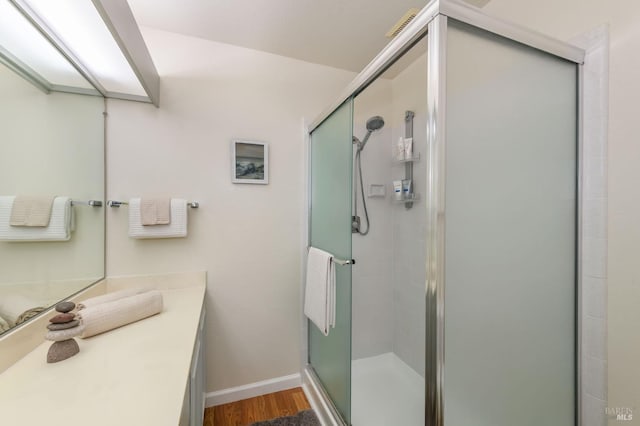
(251, 390)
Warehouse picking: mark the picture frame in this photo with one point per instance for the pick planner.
(249, 162)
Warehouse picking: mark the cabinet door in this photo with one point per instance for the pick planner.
(185, 416)
(197, 377)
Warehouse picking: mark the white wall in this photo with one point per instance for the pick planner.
(565, 20)
(52, 144)
(247, 237)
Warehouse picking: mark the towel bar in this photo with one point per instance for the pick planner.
(90, 203)
(117, 204)
(344, 262)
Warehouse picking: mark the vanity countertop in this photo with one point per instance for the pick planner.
(134, 375)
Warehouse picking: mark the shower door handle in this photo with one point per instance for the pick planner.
(343, 262)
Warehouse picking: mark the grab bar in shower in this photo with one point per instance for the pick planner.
(343, 262)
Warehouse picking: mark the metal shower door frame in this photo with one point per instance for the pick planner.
(432, 22)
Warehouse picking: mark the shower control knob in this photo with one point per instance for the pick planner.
(355, 224)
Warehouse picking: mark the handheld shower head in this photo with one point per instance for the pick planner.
(374, 124)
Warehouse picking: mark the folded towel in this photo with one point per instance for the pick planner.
(107, 316)
(176, 229)
(155, 211)
(320, 290)
(4, 325)
(29, 313)
(59, 229)
(31, 211)
(110, 297)
(13, 306)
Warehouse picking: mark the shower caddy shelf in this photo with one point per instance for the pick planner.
(414, 159)
(410, 198)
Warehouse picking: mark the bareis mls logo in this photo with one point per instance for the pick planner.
(624, 414)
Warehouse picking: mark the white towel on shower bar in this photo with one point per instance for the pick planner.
(176, 229)
(59, 228)
(320, 290)
(107, 316)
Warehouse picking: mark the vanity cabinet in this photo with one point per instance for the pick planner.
(194, 397)
(151, 372)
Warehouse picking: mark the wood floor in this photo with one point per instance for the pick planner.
(265, 407)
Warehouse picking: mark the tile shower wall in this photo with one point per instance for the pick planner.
(372, 280)
(409, 91)
(594, 228)
(389, 278)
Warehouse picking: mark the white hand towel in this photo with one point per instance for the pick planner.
(176, 229)
(59, 228)
(155, 211)
(107, 316)
(31, 211)
(110, 297)
(320, 290)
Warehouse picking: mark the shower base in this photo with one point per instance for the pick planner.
(386, 391)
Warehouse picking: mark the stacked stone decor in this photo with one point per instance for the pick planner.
(62, 329)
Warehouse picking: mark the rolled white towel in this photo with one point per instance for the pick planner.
(110, 297)
(107, 316)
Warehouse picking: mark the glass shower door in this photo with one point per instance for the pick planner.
(330, 230)
(510, 233)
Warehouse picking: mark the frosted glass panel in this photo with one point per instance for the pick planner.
(330, 356)
(510, 233)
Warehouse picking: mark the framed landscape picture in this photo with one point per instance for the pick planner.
(249, 162)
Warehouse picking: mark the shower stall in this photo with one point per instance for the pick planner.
(447, 175)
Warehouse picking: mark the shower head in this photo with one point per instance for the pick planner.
(373, 124)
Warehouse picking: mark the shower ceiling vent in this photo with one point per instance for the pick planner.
(402, 23)
(411, 13)
(478, 3)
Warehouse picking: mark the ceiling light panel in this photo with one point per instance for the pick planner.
(20, 40)
(79, 26)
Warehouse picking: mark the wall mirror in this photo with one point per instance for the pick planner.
(51, 144)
